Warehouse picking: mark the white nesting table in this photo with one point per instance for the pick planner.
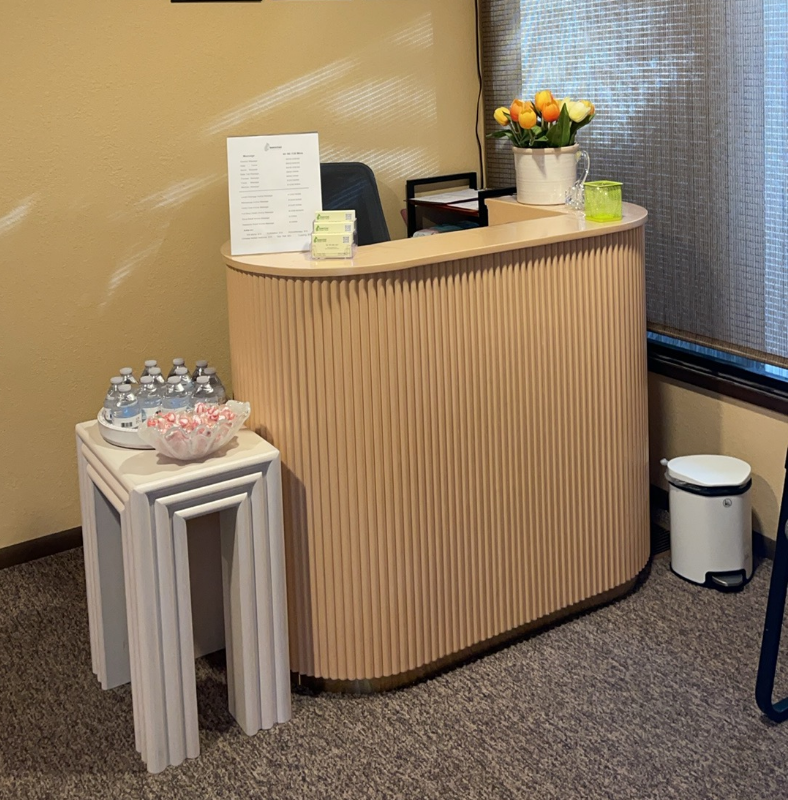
(135, 509)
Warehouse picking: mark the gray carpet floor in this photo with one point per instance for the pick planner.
(650, 697)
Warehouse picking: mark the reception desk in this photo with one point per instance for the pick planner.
(463, 429)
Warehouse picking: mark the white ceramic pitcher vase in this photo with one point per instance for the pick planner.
(545, 175)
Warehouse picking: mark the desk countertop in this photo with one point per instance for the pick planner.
(549, 224)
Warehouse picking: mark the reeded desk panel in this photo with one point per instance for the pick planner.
(464, 446)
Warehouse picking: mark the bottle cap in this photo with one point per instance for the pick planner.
(151, 362)
(178, 362)
(124, 387)
(174, 379)
(203, 379)
(146, 379)
(154, 371)
(181, 371)
(125, 370)
(201, 364)
(210, 370)
(116, 380)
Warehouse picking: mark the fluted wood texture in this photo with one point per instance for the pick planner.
(464, 444)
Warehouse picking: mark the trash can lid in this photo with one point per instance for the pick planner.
(708, 470)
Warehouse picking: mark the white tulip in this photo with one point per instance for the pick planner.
(577, 111)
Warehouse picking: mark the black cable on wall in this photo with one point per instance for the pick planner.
(482, 181)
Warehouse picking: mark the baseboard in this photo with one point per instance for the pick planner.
(762, 546)
(38, 548)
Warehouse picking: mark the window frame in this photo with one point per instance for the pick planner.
(717, 371)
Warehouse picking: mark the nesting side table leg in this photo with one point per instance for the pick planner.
(137, 702)
(239, 616)
(165, 665)
(110, 589)
(254, 605)
(150, 678)
(270, 582)
(89, 549)
(103, 519)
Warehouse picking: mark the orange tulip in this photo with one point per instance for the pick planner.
(551, 111)
(542, 99)
(516, 109)
(528, 117)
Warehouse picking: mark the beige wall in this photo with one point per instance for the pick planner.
(687, 421)
(113, 199)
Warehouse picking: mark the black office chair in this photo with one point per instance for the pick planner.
(352, 185)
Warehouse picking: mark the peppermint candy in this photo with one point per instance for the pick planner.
(205, 415)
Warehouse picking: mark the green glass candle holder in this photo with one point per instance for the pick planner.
(603, 200)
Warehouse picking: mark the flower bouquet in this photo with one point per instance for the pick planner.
(542, 132)
(543, 121)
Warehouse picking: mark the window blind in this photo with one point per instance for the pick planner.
(691, 102)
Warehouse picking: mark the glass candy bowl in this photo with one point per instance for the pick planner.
(194, 435)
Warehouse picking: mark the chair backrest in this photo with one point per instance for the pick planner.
(352, 185)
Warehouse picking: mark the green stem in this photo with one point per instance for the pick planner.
(518, 134)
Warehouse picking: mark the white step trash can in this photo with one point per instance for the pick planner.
(710, 520)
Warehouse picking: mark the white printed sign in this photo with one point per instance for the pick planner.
(274, 186)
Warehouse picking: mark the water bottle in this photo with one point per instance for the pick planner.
(127, 373)
(149, 364)
(126, 411)
(175, 398)
(149, 397)
(111, 396)
(176, 362)
(204, 391)
(199, 369)
(158, 378)
(218, 386)
(186, 379)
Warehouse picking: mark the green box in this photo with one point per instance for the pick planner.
(603, 200)
(335, 216)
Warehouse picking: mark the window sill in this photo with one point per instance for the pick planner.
(733, 376)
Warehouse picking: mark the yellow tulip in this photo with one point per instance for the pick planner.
(542, 99)
(528, 117)
(501, 116)
(589, 105)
